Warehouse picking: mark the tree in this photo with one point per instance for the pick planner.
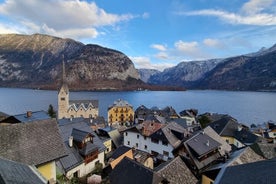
(51, 111)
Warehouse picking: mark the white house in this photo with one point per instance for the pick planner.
(155, 138)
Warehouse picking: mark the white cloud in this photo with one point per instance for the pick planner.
(263, 19)
(145, 62)
(141, 62)
(162, 55)
(146, 15)
(159, 47)
(215, 43)
(256, 6)
(187, 48)
(63, 17)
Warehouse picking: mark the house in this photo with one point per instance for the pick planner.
(83, 147)
(260, 172)
(154, 138)
(142, 113)
(27, 117)
(233, 132)
(98, 122)
(242, 156)
(36, 143)
(201, 150)
(143, 158)
(190, 116)
(119, 154)
(113, 134)
(120, 112)
(75, 108)
(128, 171)
(14, 172)
(176, 171)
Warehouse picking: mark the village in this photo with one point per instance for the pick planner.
(143, 145)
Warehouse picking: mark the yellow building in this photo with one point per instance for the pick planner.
(120, 112)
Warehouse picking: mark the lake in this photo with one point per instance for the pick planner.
(246, 107)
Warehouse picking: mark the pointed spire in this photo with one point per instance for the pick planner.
(63, 71)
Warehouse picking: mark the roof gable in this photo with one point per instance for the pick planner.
(177, 172)
(202, 144)
(80, 135)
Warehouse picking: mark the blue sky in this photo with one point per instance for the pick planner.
(153, 33)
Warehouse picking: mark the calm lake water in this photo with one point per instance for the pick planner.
(246, 107)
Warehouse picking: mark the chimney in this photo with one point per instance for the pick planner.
(239, 128)
(207, 143)
(29, 114)
(71, 141)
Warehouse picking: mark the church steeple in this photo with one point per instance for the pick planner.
(63, 95)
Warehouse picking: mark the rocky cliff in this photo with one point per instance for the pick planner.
(35, 61)
(254, 71)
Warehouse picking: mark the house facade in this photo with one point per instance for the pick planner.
(84, 149)
(160, 141)
(120, 112)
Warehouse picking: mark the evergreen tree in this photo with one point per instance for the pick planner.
(51, 111)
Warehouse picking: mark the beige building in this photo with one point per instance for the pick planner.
(75, 108)
(120, 112)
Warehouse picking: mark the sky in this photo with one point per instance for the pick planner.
(154, 34)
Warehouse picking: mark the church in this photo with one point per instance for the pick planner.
(74, 108)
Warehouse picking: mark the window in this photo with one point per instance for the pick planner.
(145, 147)
(62, 98)
(227, 141)
(145, 138)
(165, 153)
(126, 134)
(138, 136)
(165, 143)
(156, 141)
(136, 145)
(128, 143)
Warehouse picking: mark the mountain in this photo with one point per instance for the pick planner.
(35, 61)
(254, 71)
(184, 74)
(145, 74)
(243, 73)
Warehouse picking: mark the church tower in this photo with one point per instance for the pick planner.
(63, 96)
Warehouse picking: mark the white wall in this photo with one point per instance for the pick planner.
(85, 169)
(132, 138)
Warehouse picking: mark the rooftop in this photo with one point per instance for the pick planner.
(28, 143)
(14, 172)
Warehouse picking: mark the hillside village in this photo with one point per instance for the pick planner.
(143, 145)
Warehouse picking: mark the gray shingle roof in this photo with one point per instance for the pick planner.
(85, 103)
(262, 172)
(15, 173)
(128, 171)
(120, 151)
(266, 150)
(202, 144)
(32, 143)
(35, 116)
(177, 172)
(79, 135)
(74, 158)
